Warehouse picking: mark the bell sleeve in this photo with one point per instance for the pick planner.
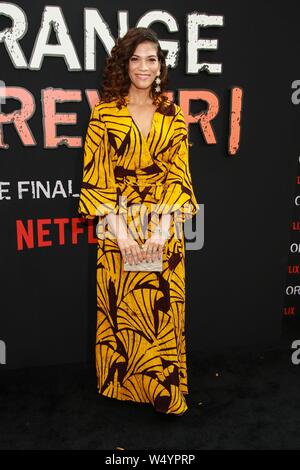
(98, 194)
(178, 194)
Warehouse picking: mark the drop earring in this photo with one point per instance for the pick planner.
(157, 82)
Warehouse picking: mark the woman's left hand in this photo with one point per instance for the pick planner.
(153, 247)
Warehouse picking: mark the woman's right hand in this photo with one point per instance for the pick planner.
(130, 249)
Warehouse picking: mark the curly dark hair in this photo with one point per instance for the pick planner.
(116, 81)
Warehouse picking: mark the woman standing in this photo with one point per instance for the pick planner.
(136, 179)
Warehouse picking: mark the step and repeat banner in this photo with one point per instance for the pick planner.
(231, 66)
(291, 310)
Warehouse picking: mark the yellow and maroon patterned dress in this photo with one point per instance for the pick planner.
(140, 332)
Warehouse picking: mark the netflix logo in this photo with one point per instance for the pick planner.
(43, 233)
(295, 225)
(289, 311)
(293, 269)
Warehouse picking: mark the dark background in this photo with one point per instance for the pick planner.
(235, 283)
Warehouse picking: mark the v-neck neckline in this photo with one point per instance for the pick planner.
(139, 130)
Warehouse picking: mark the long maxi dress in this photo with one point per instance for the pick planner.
(140, 350)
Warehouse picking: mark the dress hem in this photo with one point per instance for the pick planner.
(122, 398)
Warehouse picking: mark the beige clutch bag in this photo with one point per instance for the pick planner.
(144, 266)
